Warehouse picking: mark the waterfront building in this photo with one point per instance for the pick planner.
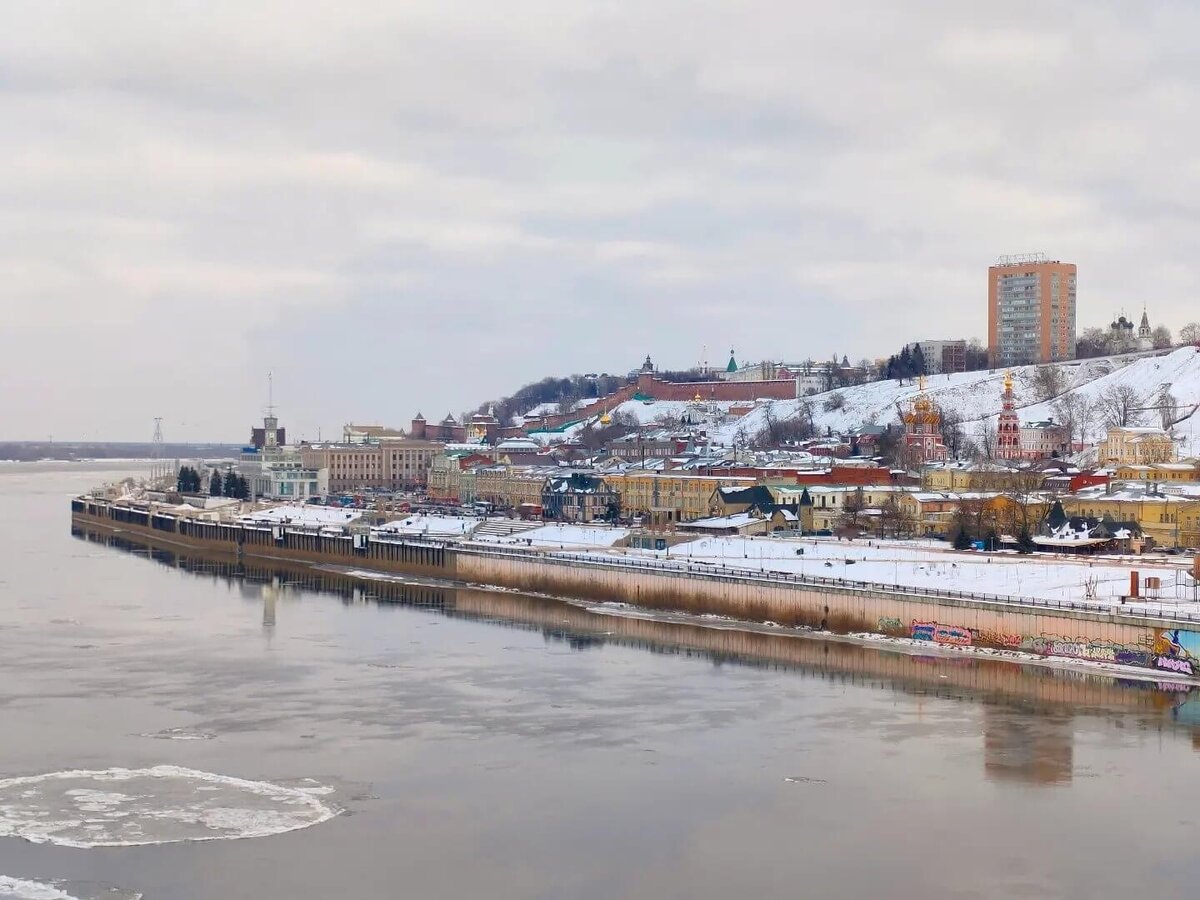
(672, 496)
(387, 465)
(1031, 310)
(577, 497)
(1171, 515)
(275, 471)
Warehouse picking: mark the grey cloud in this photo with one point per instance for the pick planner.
(421, 205)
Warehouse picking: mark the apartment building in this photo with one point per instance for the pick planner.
(1031, 310)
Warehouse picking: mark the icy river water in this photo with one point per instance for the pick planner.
(174, 727)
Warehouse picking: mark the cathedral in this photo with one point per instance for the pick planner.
(1124, 338)
(923, 430)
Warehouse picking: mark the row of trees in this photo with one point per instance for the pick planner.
(189, 481)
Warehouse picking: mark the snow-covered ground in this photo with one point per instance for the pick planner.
(1039, 576)
(431, 526)
(566, 537)
(303, 516)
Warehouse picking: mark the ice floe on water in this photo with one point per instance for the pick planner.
(19, 889)
(159, 805)
(24, 889)
(178, 734)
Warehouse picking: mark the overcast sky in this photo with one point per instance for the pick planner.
(420, 205)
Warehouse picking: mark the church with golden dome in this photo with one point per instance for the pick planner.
(923, 430)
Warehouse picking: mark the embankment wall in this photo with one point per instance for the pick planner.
(1090, 634)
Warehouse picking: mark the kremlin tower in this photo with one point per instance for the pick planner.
(1008, 430)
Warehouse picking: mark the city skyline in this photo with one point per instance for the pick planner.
(411, 209)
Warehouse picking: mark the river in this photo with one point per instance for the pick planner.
(387, 740)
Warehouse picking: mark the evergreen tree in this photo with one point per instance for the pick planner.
(906, 362)
(181, 480)
(962, 540)
(991, 540)
(214, 484)
(243, 488)
(1025, 541)
(231, 484)
(918, 361)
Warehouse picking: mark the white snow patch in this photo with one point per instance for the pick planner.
(159, 805)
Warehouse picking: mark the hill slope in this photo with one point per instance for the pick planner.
(974, 397)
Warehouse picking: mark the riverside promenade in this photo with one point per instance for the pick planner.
(1162, 639)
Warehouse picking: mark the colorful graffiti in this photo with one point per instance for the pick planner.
(1081, 648)
(1178, 644)
(941, 634)
(1170, 651)
(997, 639)
(1174, 664)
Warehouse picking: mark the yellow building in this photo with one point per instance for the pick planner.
(982, 476)
(674, 496)
(1187, 472)
(1171, 520)
(1136, 446)
(832, 503)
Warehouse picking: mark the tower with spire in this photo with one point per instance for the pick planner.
(1008, 430)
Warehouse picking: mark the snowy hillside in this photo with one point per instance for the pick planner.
(974, 397)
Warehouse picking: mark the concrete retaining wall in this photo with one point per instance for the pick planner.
(1103, 636)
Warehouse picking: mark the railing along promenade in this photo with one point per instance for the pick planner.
(356, 550)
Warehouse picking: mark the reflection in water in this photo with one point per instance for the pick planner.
(1027, 710)
(1017, 747)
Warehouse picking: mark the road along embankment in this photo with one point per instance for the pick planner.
(1168, 644)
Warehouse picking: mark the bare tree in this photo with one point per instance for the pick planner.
(1168, 406)
(1189, 333)
(952, 434)
(1161, 336)
(893, 518)
(1025, 490)
(986, 441)
(852, 508)
(834, 401)
(1093, 342)
(1121, 406)
(1048, 382)
(1076, 413)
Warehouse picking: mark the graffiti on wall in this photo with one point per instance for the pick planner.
(1177, 650)
(1174, 664)
(941, 634)
(997, 638)
(1170, 651)
(1081, 648)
